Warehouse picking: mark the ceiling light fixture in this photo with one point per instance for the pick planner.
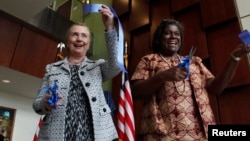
(85, 1)
(5, 81)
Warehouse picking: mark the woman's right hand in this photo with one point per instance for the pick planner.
(47, 105)
(174, 74)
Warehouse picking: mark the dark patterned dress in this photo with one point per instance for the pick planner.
(78, 120)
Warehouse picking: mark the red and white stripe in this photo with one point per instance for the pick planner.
(126, 126)
(38, 128)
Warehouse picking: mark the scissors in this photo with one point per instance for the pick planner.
(191, 52)
(185, 61)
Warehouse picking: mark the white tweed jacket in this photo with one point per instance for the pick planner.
(92, 75)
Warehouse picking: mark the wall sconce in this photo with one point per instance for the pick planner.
(85, 1)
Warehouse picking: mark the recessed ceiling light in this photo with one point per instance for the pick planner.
(6, 81)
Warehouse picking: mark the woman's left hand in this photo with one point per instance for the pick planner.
(107, 17)
(241, 50)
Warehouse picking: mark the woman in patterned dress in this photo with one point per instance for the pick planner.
(176, 106)
(82, 113)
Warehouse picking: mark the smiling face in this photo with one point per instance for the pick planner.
(78, 40)
(170, 40)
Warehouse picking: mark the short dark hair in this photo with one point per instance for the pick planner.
(156, 44)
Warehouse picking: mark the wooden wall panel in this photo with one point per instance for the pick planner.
(217, 11)
(138, 107)
(65, 9)
(234, 105)
(214, 105)
(33, 52)
(139, 14)
(178, 5)
(221, 41)
(141, 47)
(9, 33)
(159, 11)
(122, 7)
(194, 34)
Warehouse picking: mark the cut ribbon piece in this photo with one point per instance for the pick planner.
(54, 95)
(93, 8)
(184, 62)
(245, 37)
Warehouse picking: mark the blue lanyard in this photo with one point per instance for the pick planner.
(245, 37)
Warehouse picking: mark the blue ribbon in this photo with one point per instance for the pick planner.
(53, 91)
(245, 37)
(93, 8)
(185, 61)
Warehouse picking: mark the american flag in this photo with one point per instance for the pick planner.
(126, 126)
(38, 128)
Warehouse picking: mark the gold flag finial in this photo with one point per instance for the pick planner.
(125, 56)
(60, 45)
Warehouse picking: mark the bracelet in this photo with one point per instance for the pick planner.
(235, 58)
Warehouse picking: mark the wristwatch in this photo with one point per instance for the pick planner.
(235, 58)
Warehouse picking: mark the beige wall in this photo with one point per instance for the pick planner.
(243, 13)
(26, 119)
(244, 16)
